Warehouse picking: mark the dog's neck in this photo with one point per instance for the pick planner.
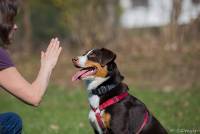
(113, 88)
(94, 83)
(91, 84)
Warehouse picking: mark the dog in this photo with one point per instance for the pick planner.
(113, 109)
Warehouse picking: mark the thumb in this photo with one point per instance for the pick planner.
(42, 54)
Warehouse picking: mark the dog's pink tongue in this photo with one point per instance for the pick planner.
(78, 75)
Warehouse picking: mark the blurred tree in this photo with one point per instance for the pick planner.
(47, 21)
(196, 1)
(84, 22)
(140, 3)
(91, 22)
(27, 35)
(176, 11)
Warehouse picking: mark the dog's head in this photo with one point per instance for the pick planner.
(96, 63)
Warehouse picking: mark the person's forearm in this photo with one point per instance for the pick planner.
(40, 84)
(48, 62)
(32, 93)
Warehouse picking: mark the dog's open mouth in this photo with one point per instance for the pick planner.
(84, 72)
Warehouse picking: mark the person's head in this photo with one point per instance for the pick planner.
(8, 11)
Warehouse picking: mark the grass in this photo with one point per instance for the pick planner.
(66, 111)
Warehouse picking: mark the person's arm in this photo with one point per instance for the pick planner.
(13, 82)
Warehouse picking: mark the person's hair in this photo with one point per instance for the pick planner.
(8, 11)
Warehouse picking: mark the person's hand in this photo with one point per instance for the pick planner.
(50, 57)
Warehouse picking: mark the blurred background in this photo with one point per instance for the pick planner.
(157, 43)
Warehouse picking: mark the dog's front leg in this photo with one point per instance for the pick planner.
(93, 127)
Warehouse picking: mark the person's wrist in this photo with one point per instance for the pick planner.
(46, 68)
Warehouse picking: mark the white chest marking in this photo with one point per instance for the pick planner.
(95, 82)
(94, 103)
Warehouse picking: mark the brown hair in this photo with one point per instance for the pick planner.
(8, 11)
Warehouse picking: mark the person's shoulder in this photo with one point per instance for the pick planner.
(3, 51)
(5, 60)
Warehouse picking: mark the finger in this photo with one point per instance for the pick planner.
(58, 54)
(49, 48)
(59, 51)
(56, 43)
(55, 47)
(58, 47)
(53, 43)
(50, 44)
(42, 54)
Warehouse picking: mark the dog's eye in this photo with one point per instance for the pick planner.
(92, 55)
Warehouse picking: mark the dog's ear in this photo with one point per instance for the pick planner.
(107, 56)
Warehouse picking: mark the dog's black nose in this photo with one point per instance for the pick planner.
(74, 59)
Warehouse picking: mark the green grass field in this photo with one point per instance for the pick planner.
(65, 111)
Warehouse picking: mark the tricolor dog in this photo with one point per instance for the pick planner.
(113, 109)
